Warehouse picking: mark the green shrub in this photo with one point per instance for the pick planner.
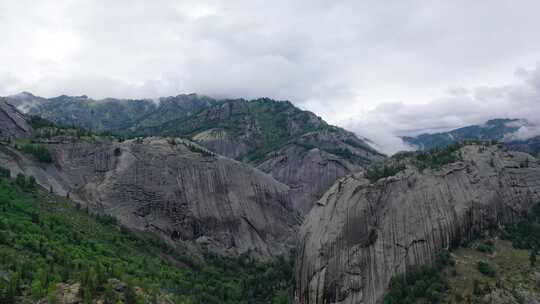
(195, 149)
(376, 173)
(20, 180)
(486, 247)
(525, 234)
(39, 151)
(437, 158)
(37, 122)
(5, 173)
(486, 269)
(421, 282)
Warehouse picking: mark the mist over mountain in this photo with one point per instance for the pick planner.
(517, 134)
(297, 147)
(269, 152)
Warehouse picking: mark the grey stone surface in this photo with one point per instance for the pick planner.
(12, 122)
(172, 189)
(359, 234)
(310, 165)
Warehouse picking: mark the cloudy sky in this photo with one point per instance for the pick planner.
(380, 68)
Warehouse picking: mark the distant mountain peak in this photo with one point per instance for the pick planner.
(508, 130)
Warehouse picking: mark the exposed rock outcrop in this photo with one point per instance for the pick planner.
(360, 234)
(221, 142)
(296, 147)
(12, 122)
(172, 188)
(313, 162)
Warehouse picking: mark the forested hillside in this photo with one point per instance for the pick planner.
(51, 248)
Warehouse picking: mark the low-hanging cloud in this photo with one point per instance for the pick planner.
(386, 122)
(341, 59)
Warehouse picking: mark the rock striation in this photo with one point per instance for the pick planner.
(12, 123)
(360, 234)
(313, 162)
(296, 147)
(172, 187)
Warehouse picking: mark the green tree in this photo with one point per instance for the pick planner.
(532, 256)
(20, 180)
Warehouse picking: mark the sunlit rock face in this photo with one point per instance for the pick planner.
(360, 234)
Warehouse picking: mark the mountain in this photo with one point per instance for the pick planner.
(370, 227)
(529, 145)
(495, 129)
(296, 147)
(12, 123)
(113, 115)
(173, 188)
(55, 251)
(505, 130)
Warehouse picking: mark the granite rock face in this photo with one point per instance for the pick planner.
(12, 122)
(360, 234)
(194, 199)
(296, 147)
(313, 162)
(221, 142)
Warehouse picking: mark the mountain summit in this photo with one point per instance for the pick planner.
(296, 147)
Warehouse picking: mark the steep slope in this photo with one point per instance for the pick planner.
(114, 115)
(296, 147)
(361, 234)
(260, 126)
(12, 123)
(311, 163)
(529, 145)
(53, 251)
(173, 188)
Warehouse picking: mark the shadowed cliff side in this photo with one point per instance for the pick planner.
(362, 233)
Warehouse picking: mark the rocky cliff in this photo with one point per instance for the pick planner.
(12, 122)
(360, 234)
(174, 188)
(313, 162)
(296, 147)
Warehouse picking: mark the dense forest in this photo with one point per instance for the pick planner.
(47, 242)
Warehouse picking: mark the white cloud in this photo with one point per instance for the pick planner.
(341, 59)
(475, 106)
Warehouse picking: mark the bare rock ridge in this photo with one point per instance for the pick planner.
(173, 187)
(12, 122)
(167, 187)
(314, 161)
(193, 198)
(296, 147)
(360, 234)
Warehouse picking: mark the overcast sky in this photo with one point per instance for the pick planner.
(380, 68)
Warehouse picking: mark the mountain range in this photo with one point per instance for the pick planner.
(501, 129)
(296, 147)
(257, 180)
